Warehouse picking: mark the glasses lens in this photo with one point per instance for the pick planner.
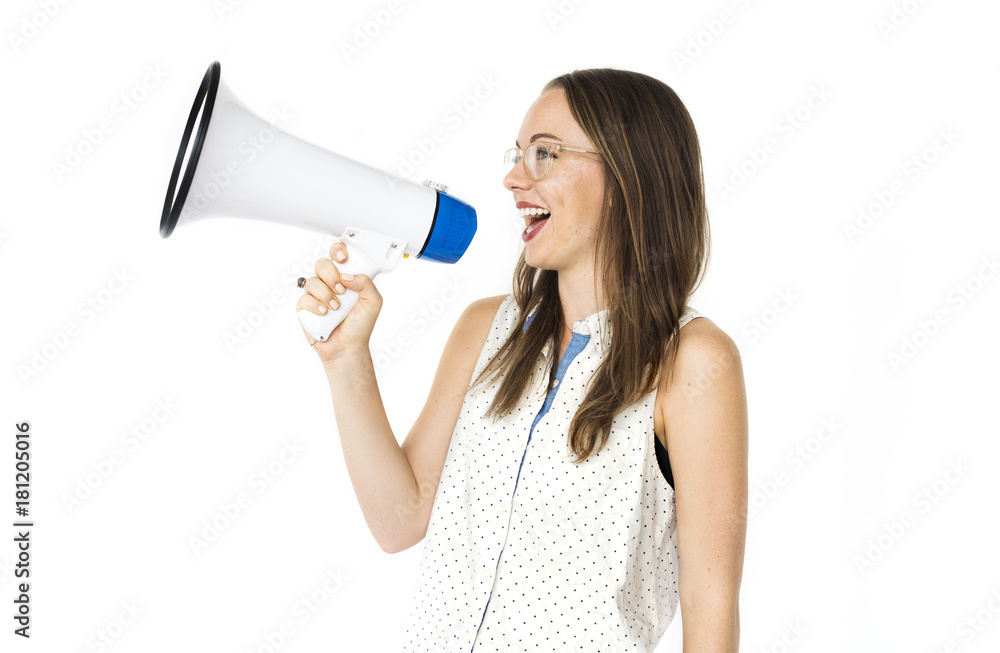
(510, 159)
(537, 158)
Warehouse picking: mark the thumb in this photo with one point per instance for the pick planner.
(360, 283)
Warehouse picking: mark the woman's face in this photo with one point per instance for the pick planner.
(573, 190)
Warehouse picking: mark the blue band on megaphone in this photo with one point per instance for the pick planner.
(452, 231)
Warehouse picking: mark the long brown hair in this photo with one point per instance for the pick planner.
(653, 246)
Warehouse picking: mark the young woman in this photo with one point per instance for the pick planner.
(538, 469)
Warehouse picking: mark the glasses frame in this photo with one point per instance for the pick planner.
(553, 148)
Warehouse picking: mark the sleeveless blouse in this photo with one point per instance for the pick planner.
(527, 551)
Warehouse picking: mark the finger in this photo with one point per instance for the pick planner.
(338, 252)
(308, 302)
(322, 292)
(328, 272)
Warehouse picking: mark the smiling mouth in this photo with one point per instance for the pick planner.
(532, 212)
(535, 224)
(534, 219)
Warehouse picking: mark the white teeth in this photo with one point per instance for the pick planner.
(532, 211)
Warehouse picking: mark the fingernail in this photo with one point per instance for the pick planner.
(347, 277)
(341, 257)
(322, 309)
(339, 288)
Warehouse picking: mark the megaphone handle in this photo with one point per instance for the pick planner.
(321, 326)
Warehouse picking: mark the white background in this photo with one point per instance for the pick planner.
(832, 562)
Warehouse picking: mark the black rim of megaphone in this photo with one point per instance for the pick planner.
(173, 203)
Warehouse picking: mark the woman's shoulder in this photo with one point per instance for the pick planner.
(490, 306)
(704, 351)
(700, 337)
(480, 314)
(496, 301)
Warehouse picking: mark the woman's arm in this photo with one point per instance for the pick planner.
(705, 411)
(396, 484)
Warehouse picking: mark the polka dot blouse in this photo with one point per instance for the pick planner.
(527, 551)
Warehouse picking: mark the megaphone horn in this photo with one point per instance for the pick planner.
(233, 163)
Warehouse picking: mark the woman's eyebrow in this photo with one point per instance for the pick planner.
(537, 136)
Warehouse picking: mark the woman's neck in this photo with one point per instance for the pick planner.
(578, 297)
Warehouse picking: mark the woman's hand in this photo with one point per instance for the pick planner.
(320, 296)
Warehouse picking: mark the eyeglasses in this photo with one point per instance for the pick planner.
(537, 158)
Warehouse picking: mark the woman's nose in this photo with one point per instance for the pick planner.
(516, 178)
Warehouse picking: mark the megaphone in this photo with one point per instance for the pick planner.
(238, 165)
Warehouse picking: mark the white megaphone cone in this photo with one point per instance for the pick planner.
(233, 163)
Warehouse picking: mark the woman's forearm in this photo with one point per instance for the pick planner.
(711, 628)
(382, 477)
